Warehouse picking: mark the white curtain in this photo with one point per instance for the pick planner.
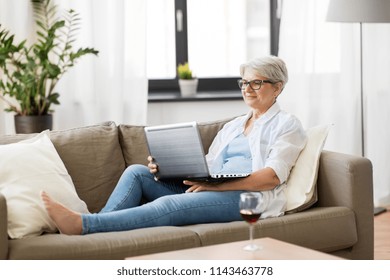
(376, 85)
(323, 59)
(110, 87)
(15, 16)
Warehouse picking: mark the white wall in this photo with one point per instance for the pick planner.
(173, 112)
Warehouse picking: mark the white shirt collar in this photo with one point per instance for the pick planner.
(271, 112)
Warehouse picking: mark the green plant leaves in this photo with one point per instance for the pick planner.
(184, 71)
(30, 74)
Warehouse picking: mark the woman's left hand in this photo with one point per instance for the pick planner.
(200, 186)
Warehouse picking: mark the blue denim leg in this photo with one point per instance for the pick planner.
(170, 210)
(136, 183)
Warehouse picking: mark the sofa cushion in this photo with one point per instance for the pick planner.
(208, 131)
(325, 229)
(27, 168)
(302, 183)
(133, 142)
(103, 246)
(135, 149)
(94, 159)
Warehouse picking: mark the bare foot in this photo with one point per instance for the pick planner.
(67, 221)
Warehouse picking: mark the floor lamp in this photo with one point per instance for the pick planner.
(360, 11)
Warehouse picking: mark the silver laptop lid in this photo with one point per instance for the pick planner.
(178, 150)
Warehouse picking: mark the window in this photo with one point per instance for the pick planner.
(215, 37)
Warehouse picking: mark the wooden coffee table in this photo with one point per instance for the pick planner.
(272, 249)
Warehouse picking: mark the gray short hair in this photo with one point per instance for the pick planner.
(271, 67)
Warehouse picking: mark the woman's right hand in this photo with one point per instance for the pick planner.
(153, 167)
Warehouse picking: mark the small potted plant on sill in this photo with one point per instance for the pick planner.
(29, 74)
(187, 82)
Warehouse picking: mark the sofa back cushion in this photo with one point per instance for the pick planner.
(133, 141)
(94, 160)
(93, 157)
(208, 131)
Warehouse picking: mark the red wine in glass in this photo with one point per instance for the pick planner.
(251, 207)
(249, 216)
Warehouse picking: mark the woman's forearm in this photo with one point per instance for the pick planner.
(262, 180)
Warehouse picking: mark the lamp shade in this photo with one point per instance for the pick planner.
(359, 11)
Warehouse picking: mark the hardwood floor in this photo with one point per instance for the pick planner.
(382, 236)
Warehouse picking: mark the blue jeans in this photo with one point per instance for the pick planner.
(167, 204)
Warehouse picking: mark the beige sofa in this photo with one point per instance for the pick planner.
(340, 223)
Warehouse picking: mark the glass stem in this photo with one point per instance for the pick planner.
(251, 233)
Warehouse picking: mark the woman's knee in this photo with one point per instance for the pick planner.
(137, 169)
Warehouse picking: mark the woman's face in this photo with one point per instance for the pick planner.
(262, 98)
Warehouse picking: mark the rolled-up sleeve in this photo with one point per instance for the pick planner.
(283, 153)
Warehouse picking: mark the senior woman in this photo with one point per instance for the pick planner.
(266, 143)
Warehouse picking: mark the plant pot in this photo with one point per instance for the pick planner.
(188, 88)
(33, 124)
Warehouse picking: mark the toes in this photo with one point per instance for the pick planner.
(45, 197)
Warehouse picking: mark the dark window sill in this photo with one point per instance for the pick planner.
(200, 96)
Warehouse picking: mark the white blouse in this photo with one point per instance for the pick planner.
(275, 140)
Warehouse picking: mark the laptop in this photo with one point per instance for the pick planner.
(177, 149)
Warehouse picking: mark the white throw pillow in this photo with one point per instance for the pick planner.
(27, 168)
(302, 182)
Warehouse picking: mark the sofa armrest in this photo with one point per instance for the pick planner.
(346, 180)
(3, 228)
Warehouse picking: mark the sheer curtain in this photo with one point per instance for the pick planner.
(15, 16)
(112, 86)
(323, 59)
(376, 46)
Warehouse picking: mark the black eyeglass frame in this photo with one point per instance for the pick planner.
(242, 87)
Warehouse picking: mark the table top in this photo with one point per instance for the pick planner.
(271, 249)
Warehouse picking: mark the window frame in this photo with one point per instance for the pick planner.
(215, 85)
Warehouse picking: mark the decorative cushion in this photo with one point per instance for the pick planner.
(27, 168)
(302, 182)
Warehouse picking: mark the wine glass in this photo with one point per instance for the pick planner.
(251, 207)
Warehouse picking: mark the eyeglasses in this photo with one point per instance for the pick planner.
(254, 84)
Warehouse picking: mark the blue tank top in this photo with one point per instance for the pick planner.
(236, 156)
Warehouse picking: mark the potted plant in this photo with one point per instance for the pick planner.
(29, 74)
(187, 82)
